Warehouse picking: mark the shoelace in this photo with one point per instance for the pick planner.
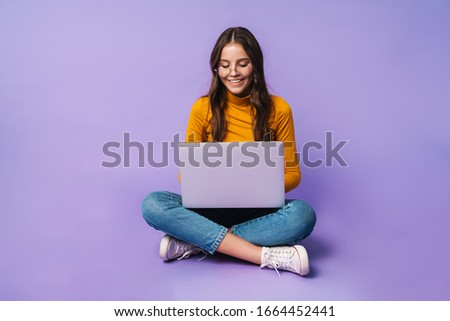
(279, 259)
(188, 249)
(186, 254)
(192, 251)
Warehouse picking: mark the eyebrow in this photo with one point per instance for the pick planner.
(239, 60)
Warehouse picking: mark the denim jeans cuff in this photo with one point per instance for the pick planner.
(218, 240)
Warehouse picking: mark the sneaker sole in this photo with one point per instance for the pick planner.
(304, 261)
(164, 246)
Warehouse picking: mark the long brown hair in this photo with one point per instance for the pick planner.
(259, 95)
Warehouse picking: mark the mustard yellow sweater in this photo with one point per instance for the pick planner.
(239, 129)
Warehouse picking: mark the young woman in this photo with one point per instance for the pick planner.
(238, 107)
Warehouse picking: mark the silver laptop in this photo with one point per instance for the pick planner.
(232, 174)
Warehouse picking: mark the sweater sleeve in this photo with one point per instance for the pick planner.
(196, 127)
(284, 132)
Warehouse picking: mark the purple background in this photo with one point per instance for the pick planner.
(77, 74)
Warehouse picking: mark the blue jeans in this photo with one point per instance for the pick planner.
(287, 225)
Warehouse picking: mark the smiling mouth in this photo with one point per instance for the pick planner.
(235, 81)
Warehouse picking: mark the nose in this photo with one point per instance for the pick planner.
(234, 71)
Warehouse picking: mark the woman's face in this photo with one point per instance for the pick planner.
(235, 69)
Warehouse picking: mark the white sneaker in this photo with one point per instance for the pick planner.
(172, 248)
(289, 258)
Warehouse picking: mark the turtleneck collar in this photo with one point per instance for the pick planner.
(238, 101)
